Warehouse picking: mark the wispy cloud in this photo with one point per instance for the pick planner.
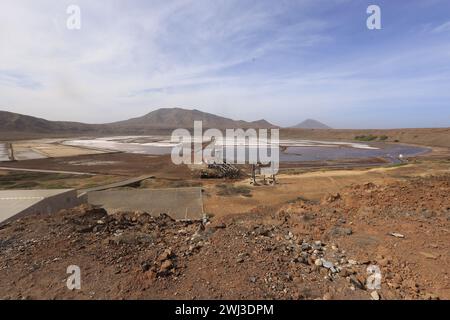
(12, 78)
(445, 27)
(244, 59)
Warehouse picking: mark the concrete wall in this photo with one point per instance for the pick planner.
(50, 204)
(179, 203)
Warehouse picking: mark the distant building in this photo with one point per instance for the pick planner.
(15, 204)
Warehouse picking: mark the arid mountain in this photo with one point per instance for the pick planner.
(311, 124)
(14, 122)
(18, 125)
(183, 118)
(263, 124)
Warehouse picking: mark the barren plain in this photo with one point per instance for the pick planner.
(312, 235)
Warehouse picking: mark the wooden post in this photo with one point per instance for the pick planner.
(11, 156)
(254, 174)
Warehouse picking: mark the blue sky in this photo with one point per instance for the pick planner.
(284, 61)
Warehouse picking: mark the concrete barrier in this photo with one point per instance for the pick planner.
(178, 203)
(15, 204)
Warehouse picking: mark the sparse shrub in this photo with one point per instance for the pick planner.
(371, 137)
(366, 138)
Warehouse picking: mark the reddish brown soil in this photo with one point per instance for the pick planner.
(268, 253)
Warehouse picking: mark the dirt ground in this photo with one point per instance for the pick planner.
(40, 180)
(311, 236)
(313, 185)
(120, 164)
(299, 250)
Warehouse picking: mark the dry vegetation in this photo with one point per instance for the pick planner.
(438, 137)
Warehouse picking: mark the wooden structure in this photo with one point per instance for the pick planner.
(256, 171)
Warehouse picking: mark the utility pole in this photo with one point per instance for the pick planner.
(11, 156)
(254, 174)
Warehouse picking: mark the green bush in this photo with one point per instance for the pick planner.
(366, 138)
(371, 137)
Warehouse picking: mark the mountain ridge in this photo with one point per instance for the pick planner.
(311, 124)
(159, 119)
(172, 118)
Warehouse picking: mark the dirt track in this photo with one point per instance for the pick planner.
(267, 253)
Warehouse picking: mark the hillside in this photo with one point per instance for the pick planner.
(15, 126)
(171, 118)
(14, 122)
(270, 252)
(18, 126)
(263, 124)
(311, 124)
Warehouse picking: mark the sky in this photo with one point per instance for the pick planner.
(284, 61)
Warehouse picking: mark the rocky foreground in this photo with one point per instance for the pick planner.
(303, 250)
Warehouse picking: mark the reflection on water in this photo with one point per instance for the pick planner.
(290, 151)
(387, 151)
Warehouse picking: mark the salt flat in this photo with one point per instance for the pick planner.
(4, 153)
(293, 150)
